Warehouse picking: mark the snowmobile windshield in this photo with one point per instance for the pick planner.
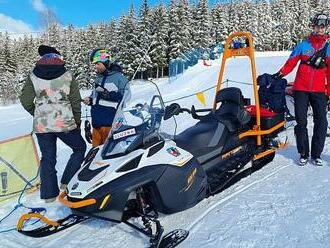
(138, 121)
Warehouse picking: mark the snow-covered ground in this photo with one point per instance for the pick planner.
(281, 205)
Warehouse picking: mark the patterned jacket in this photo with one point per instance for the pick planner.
(54, 104)
(309, 78)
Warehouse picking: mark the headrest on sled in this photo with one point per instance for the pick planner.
(230, 94)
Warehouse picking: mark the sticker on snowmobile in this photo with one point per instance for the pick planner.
(181, 162)
(118, 123)
(232, 152)
(173, 151)
(100, 163)
(123, 134)
(191, 179)
(75, 186)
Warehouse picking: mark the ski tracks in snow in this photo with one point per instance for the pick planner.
(210, 209)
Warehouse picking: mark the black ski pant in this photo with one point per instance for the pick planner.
(318, 102)
(48, 174)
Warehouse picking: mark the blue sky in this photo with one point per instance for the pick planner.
(22, 16)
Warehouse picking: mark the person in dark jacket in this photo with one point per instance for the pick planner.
(52, 97)
(109, 87)
(310, 88)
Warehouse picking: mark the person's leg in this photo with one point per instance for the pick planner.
(99, 135)
(319, 105)
(104, 133)
(300, 130)
(96, 137)
(75, 141)
(49, 186)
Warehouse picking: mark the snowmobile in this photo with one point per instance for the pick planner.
(145, 168)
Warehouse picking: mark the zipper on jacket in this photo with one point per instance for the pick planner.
(313, 69)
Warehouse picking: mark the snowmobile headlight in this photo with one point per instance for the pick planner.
(75, 193)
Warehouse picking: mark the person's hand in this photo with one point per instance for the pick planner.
(87, 101)
(277, 75)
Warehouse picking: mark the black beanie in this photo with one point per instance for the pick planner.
(44, 49)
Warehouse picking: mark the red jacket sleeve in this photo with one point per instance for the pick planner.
(292, 61)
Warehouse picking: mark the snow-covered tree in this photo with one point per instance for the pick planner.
(158, 51)
(159, 34)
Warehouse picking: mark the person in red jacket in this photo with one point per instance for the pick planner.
(310, 88)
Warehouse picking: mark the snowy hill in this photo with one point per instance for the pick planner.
(281, 205)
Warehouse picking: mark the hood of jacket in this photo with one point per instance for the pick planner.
(49, 68)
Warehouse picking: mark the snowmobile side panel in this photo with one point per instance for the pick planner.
(179, 188)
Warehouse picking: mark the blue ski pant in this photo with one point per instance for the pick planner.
(48, 174)
(318, 102)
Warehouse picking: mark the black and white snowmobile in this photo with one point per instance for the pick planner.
(145, 168)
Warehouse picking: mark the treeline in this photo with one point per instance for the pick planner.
(145, 40)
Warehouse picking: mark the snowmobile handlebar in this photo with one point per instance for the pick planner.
(175, 109)
(194, 112)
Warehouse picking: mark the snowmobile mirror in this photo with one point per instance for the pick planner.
(173, 109)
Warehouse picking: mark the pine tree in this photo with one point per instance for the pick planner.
(159, 47)
(142, 61)
(127, 46)
(8, 69)
(219, 23)
(203, 25)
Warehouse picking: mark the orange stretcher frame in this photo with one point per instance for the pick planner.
(249, 52)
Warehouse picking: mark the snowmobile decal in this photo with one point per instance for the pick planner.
(185, 159)
(191, 179)
(173, 151)
(231, 153)
(125, 133)
(118, 123)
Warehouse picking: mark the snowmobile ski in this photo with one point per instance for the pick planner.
(173, 238)
(51, 227)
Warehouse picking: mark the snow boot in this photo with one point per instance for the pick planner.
(317, 161)
(303, 160)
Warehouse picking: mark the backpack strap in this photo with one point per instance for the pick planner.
(317, 60)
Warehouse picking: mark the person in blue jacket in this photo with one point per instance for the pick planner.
(108, 91)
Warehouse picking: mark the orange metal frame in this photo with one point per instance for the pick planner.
(79, 204)
(249, 52)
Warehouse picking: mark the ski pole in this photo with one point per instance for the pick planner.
(12, 167)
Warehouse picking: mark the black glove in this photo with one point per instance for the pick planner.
(103, 92)
(277, 75)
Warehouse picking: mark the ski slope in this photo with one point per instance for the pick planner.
(281, 205)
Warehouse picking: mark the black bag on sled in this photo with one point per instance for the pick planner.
(272, 92)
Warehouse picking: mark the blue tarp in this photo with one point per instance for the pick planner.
(188, 59)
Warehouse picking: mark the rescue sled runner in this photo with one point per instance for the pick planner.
(145, 168)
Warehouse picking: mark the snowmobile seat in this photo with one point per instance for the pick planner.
(231, 111)
(203, 138)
